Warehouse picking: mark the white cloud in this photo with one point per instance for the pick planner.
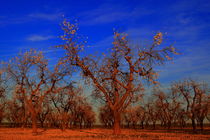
(109, 14)
(39, 38)
(194, 64)
(45, 16)
(20, 19)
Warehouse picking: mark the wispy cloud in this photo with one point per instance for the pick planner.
(111, 13)
(194, 60)
(20, 19)
(39, 38)
(45, 16)
(194, 64)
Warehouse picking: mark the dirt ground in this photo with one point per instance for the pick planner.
(97, 134)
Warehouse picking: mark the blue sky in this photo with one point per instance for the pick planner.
(186, 23)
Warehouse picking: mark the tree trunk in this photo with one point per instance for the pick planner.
(128, 124)
(34, 127)
(193, 124)
(154, 124)
(117, 119)
(62, 125)
(42, 123)
(169, 125)
(142, 124)
(201, 124)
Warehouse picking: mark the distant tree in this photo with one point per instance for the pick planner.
(44, 112)
(2, 97)
(182, 117)
(208, 112)
(52, 119)
(117, 77)
(106, 116)
(131, 116)
(14, 113)
(85, 114)
(142, 115)
(202, 102)
(64, 103)
(196, 96)
(153, 113)
(72, 108)
(167, 107)
(89, 117)
(34, 81)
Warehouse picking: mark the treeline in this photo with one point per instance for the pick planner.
(34, 92)
(186, 102)
(31, 94)
(65, 106)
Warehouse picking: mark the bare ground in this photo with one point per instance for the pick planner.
(98, 134)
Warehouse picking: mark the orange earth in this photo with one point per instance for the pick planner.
(96, 134)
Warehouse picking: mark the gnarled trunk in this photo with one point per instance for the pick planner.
(142, 124)
(154, 124)
(193, 124)
(117, 120)
(34, 126)
(201, 124)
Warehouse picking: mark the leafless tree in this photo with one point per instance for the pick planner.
(14, 113)
(44, 113)
(2, 97)
(208, 112)
(202, 102)
(106, 116)
(84, 114)
(196, 97)
(153, 113)
(52, 119)
(142, 116)
(64, 102)
(167, 106)
(72, 108)
(182, 117)
(131, 116)
(34, 81)
(89, 116)
(118, 76)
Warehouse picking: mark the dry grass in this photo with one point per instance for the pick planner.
(96, 134)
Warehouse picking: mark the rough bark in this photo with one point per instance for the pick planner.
(142, 124)
(117, 120)
(193, 125)
(34, 125)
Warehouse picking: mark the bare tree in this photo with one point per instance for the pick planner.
(153, 113)
(167, 106)
(85, 114)
(202, 102)
(106, 116)
(89, 116)
(14, 113)
(131, 116)
(142, 115)
(65, 102)
(208, 112)
(2, 97)
(118, 76)
(52, 119)
(195, 95)
(182, 117)
(44, 112)
(72, 108)
(34, 81)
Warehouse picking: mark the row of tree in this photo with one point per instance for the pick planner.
(187, 102)
(48, 94)
(32, 93)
